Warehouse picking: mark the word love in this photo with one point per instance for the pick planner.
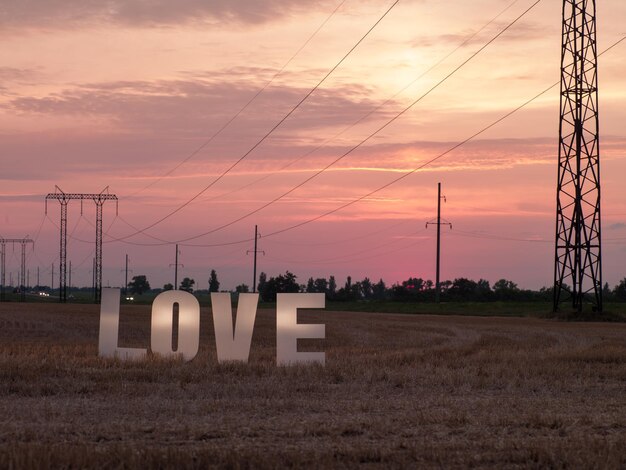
(232, 342)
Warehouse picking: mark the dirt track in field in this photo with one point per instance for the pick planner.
(397, 391)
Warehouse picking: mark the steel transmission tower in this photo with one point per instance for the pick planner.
(22, 281)
(64, 199)
(578, 258)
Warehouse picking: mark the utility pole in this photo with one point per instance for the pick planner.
(578, 254)
(176, 270)
(126, 277)
(176, 264)
(439, 223)
(255, 251)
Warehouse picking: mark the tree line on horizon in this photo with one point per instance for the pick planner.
(412, 289)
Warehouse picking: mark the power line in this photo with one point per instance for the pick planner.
(489, 236)
(38, 231)
(406, 174)
(163, 242)
(385, 186)
(245, 106)
(429, 162)
(346, 240)
(415, 170)
(91, 224)
(36, 237)
(351, 256)
(267, 134)
(370, 136)
(372, 111)
(377, 108)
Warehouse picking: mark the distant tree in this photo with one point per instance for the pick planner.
(367, 290)
(462, 289)
(187, 284)
(505, 290)
(332, 286)
(546, 293)
(321, 285)
(356, 291)
(342, 295)
(619, 291)
(287, 283)
(168, 286)
(242, 289)
(413, 283)
(310, 286)
(283, 283)
(483, 290)
(607, 294)
(400, 292)
(262, 283)
(348, 286)
(214, 284)
(139, 284)
(503, 284)
(379, 290)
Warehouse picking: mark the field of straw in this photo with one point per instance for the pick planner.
(397, 391)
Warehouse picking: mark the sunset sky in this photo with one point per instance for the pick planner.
(118, 93)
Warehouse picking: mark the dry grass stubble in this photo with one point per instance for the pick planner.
(398, 390)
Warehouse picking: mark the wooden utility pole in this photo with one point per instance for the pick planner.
(255, 252)
(439, 223)
(176, 264)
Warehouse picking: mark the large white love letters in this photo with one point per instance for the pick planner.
(109, 328)
(232, 342)
(163, 324)
(288, 330)
(233, 345)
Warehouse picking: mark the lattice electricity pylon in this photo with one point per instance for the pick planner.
(64, 199)
(3, 244)
(578, 256)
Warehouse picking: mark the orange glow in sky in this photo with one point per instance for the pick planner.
(119, 93)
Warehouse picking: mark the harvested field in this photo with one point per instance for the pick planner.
(397, 391)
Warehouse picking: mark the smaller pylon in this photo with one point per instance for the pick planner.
(22, 278)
